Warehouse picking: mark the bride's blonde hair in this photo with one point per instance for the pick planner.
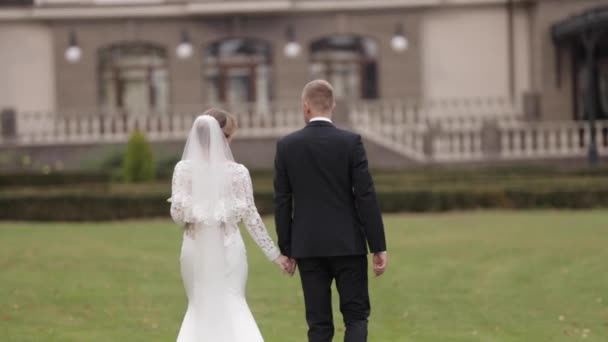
(227, 121)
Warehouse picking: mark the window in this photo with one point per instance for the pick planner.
(238, 71)
(134, 79)
(349, 63)
(580, 81)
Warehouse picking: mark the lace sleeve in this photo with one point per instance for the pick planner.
(253, 221)
(181, 194)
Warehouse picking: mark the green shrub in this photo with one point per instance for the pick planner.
(138, 164)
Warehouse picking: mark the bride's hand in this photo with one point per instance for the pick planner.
(284, 263)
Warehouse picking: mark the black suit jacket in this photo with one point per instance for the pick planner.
(325, 202)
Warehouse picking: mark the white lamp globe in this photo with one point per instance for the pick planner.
(73, 54)
(184, 50)
(292, 49)
(399, 43)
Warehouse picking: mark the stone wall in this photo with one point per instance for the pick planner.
(77, 87)
(465, 52)
(27, 76)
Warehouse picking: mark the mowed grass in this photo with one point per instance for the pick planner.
(489, 276)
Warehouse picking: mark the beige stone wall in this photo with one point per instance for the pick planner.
(557, 102)
(77, 83)
(465, 52)
(522, 25)
(27, 71)
(461, 60)
(400, 74)
(455, 51)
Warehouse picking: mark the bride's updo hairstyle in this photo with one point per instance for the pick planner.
(227, 121)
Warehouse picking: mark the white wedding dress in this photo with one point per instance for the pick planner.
(214, 261)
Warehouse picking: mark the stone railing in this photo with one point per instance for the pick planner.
(523, 140)
(484, 133)
(394, 127)
(427, 131)
(30, 129)
(451, 111)
(515, 140)
(457, 141)
(415, 132)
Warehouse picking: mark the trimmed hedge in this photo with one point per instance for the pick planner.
(118, 206)
(412, 179)
(64, 178)
(82, 207)
(438, 201)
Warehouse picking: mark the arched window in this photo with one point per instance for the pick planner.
(349, 63)
(238, 70)
(133, 78)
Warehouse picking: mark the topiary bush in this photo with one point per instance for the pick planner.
(138, 163)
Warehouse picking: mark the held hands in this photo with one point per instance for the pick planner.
(380, 261)
(292, 267)
(286, 264)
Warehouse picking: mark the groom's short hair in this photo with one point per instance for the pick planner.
(319, 95)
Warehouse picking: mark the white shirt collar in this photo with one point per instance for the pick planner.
(320, 118)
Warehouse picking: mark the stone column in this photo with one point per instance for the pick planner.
(490, 139)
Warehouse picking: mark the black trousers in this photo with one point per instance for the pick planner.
(350, 273)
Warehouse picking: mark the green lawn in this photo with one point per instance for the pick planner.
(490, 276)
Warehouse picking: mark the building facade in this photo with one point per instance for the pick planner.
(168, 57)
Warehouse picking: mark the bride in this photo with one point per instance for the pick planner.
(211, 194)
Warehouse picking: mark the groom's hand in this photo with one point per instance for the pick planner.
(380, 262)
(292, 266)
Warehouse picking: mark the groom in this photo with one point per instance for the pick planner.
(326, 214)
